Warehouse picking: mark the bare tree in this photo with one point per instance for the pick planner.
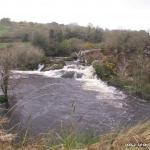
(16, 56)
(7, 62)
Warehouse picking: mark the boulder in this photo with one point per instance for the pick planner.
(79, 75)
(56, 66)
(53, 65)
(71, 74)
(87, 56)
(68, 74)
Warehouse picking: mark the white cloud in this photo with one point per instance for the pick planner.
(131, 14)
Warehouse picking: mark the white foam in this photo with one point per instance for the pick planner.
(40, 67)
(51, 73)
(93, 84)
(89, 82)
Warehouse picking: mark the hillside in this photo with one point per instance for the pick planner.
(126, 54)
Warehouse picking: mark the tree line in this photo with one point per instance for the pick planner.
(126, 53)
(61, 40)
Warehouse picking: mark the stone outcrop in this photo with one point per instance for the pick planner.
(87, 56)
(54, 64)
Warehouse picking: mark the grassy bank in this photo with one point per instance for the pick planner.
(133, 138)
(137, 85)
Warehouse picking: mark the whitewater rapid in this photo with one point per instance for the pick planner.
(86, 75)
(72, 96)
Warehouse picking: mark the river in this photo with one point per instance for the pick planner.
(72, 96)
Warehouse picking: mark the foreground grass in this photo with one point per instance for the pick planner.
(134, 138)
(3, 30)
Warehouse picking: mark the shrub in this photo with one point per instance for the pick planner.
(28, 56)
(71, 45)
(104, 71)
(89, 45)
(3, 99)
(40, 40)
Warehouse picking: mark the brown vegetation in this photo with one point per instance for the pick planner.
(23, 56)
(134, 138)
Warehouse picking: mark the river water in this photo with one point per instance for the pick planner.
(72, 96)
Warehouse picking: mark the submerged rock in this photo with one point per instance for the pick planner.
(68, 74)
(71, 74)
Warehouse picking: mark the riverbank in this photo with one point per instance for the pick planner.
(129, 89)
(130, 85)
(135, 138)
(72, 95)
(78, 99)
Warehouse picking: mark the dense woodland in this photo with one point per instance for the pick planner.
(126, 54)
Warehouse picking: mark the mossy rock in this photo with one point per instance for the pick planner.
(53, 67)
(3, 99)
(68, 59)
(61, 62)
(45, 60)
(56, 66)
(74, 56)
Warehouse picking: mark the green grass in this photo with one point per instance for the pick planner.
(69, 139)
(140, 88)
(3, 30)
(4, 45)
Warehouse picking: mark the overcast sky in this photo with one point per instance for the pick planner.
(112, 14)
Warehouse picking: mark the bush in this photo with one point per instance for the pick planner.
(71, 45)
(40, 40)
(27, 56)
(115, 81)
(3, 99)
(142, 92)
(104, 71)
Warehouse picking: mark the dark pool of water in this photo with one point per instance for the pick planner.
(52, 103)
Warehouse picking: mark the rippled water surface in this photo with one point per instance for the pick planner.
(72, 96)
